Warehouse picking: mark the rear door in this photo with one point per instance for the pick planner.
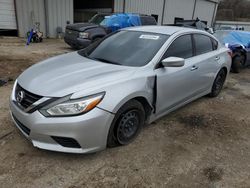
(207, 59)
(178, 85)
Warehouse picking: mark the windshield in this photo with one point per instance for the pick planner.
(128, 48)
(97, 19)
(104, 21)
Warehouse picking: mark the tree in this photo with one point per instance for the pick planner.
(234, 10)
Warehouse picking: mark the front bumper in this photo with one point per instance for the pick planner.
(90, 130)
(77, 43)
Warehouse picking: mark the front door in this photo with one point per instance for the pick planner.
(176, 85)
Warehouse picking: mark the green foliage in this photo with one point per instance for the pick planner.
(235, 10)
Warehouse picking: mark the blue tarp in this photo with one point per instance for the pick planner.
(119, 21)
(238, 37)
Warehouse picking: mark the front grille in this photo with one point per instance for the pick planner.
(66, 142)
(27, 99)
(71, 33)
(21, 126)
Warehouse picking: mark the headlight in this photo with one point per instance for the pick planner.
(83, 35)
(67, 107)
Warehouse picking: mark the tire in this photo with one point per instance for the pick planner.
(218, 83)
(127, 124)
(238, 63)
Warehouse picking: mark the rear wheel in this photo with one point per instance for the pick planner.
(218, 83)
(127, 124)
(238, 63)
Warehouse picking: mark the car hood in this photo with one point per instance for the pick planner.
(81, 26)
(66, 74)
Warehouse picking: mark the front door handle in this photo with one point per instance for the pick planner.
(194, 68)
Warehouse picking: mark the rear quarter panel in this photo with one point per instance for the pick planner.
(225, 58)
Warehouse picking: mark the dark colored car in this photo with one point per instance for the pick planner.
(239, 43)
(194, 24)
(80, 35)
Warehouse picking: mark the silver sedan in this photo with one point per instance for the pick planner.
(101, 96)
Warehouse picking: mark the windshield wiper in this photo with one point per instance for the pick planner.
(106, 61)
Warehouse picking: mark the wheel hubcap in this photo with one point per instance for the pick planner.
(128, 126)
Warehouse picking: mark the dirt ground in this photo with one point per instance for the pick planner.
(204, 144)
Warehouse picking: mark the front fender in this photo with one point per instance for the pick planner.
(117, 95)
(130, 97)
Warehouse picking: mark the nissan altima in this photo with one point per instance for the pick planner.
(101, 96)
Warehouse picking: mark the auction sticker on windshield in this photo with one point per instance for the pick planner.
(150, 37)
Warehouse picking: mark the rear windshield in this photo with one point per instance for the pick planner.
(128, 48)
(220, 35)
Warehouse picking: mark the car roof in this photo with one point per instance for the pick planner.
(167, 30)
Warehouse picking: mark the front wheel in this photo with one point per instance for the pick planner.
(127, 124)
(218, 83)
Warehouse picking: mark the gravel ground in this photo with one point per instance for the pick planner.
(204, 144)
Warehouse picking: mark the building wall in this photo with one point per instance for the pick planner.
(7, 14)
(204, 10)
(58, 13)
(178, 8)
(52, 14)
(49, 13)
(167, 10)
(145, 7)
(118, 5)
(30, 12)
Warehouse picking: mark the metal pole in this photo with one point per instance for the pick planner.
(17, 25)
(195, 2)
(46, 5)
(214, 14)
(124, 6)
(163, 12)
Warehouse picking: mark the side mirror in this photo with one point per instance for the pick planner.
(173, 62)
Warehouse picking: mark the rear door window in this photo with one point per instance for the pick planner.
(203, 44)
(182, 47)
(215, 44)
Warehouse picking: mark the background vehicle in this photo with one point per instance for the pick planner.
(239, 43)
(230, 27)
(81, 35)
(195, 24)
(102, 95)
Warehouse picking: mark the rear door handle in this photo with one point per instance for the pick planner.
(194, 68)
(217, 58)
